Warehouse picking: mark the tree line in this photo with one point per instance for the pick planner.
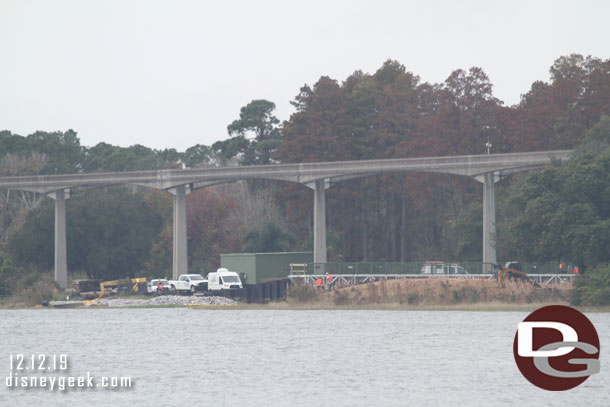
(553, 214)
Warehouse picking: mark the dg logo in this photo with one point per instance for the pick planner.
(556, 348)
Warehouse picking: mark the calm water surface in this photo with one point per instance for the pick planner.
(287, 358)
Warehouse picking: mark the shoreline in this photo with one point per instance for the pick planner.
(395, 295)
(289, 306)
(490, 307)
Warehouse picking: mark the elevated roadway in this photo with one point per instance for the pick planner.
(487, 169)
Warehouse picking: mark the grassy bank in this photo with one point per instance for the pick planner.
(286, 305)
(401, 295)
(31, 290)
(433, 293)
(425, 295)
(289, 306)
(488, 307)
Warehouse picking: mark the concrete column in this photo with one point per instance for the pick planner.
(61, 262)
(180, 263)
(489, 220)
(319, 222)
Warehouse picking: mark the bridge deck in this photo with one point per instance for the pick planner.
(304, 173)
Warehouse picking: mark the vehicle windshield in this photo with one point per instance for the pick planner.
(196, 277)
(230, 279)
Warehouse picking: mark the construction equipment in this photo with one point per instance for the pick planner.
(511, 271)
(86, 289)
(85, 286)
(503, 274)
(128, 285)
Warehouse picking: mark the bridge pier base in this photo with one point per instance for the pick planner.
(489, 221)
(180, 259)
(319, 223)
(61, 262)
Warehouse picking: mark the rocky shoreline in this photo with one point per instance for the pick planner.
(164, 300)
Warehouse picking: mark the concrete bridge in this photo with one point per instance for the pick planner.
(487, 169)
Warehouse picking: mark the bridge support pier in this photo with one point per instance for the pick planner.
(180, 259)
(61, 262)
(319, 222)
(489, 220)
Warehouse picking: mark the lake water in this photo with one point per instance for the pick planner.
(193, 357)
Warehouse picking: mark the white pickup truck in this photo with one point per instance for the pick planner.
(188, 283)
(223, 279)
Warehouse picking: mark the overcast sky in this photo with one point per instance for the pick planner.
(176, 73)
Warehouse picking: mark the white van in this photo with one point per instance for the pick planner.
(223, 279)
(433, 267)
(439, 267)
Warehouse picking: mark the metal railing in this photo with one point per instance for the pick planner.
(422, 267)
(343, 280)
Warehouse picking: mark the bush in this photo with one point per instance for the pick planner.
(592, 288)
(43, 289)
(474, 295)
(8, 276)
(32, 288)
(413, 298)
(341, 298)
(302, 293)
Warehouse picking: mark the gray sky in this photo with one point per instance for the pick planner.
(175, 73)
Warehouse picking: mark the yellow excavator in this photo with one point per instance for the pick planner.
(512, 271)
(127, 285)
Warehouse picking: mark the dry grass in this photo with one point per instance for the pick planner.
(302, 294)
(31, 291)
(448, 292)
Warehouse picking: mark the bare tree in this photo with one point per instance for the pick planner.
(257, 207)
(15, 205)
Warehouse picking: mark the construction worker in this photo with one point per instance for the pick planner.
(329, 280)
(319, 283)
(160, 287)
(575, 270)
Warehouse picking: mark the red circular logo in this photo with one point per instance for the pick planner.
(556, 348)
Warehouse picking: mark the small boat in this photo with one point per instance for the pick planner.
(62, 304)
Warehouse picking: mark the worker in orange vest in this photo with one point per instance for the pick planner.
(329, 280)
(319, 283)
(575, 270)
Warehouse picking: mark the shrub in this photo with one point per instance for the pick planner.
(8, 276)
(413, 297)
(302, 293)
(592, 288)
(42, 290)
(341, 298)
(474, 295)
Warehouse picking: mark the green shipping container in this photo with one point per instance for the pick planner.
(256, 267)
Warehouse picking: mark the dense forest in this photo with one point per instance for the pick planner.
(561, 212)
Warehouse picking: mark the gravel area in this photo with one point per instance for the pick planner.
(162, 300)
